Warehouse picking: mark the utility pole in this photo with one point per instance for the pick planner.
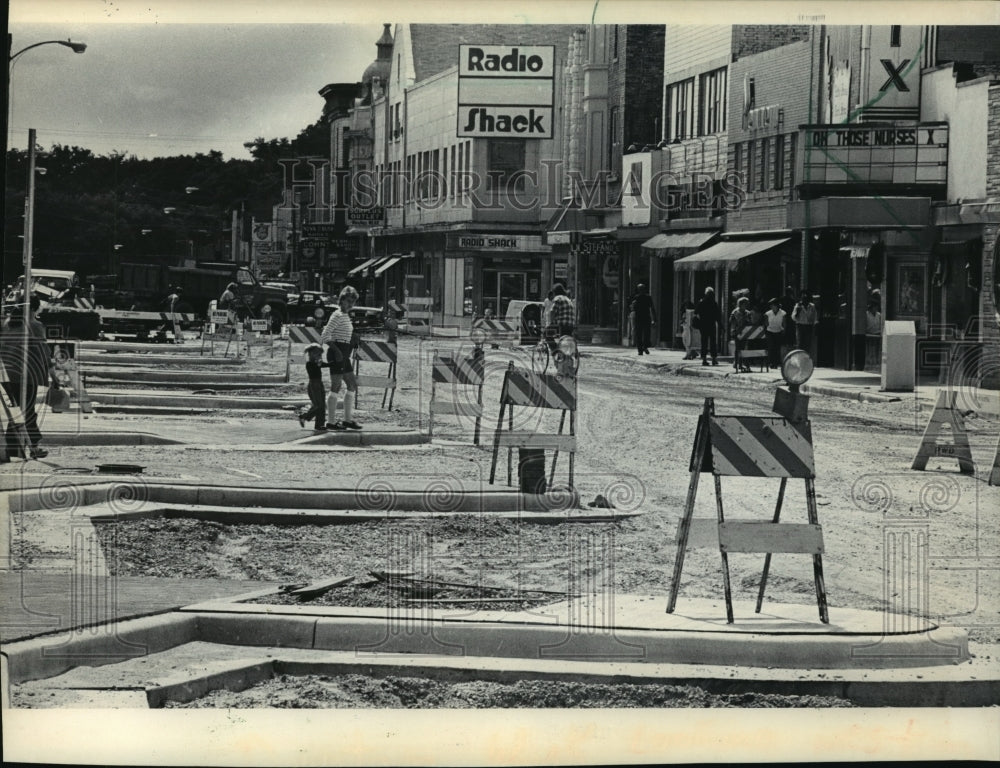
(29, 227)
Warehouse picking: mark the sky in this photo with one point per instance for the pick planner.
(168, 77)
(169, 89)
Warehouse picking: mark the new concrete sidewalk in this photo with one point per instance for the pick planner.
(830, 382)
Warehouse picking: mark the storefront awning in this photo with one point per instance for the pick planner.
(360, 267)
(669, 240)
(388, 263)
(726, 255)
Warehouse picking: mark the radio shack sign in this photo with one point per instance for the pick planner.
(506, 91)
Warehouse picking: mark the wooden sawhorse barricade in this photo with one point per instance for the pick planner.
(451, 369)
(499, 331)
(64, 366)
(527, 388)
(946, 416)
(377, 351)
(14, 421)
(748, 348)
(754, 446)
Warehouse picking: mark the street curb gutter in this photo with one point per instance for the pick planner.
(808, 389)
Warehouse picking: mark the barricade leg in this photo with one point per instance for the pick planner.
(479, 401)
(510, 450)
(392, 392)
(697, 458)
(767, 557)
(555, 454)
(725, 556)
(817, 558)
(430, 414)
(496, 445)
(572, 454)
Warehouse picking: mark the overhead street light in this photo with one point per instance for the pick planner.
(76, 47)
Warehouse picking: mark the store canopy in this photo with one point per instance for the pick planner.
(388, 263)
(726, 255)
(367, 264)
(669, 240)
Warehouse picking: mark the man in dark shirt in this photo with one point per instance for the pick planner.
(645, 318)
(707, 313)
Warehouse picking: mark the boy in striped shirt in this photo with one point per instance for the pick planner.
(339, 336)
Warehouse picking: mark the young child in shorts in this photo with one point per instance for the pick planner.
(339, 336)
(317, 394)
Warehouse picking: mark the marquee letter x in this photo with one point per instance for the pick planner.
(894, 76)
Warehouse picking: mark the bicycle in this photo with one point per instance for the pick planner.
(561, 352)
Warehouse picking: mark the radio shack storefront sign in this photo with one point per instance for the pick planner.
(875, 154)
(506, 91)
(476, 242)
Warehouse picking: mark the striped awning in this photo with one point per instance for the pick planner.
(367, 264)
(726, 255)
(386, 264)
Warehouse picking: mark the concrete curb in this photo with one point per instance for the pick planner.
(107, 438)
(376, 498)
(239, 677)
(193, 401)
(117, 358)
(104, 513)
(192, 378)
(51, 655)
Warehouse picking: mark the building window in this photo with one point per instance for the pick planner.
(634, 186)
(712, 102)
(680, 110)
(738, 161)
(791, 160)
(765, 153)
(750, 166)
(506, 158)
(894, 36)
(614, 43)
(779, 162)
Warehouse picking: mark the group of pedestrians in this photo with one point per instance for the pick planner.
(340, 339)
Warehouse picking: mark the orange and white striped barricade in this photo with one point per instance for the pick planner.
(945, 416)
(377, 351)
(499, 331)
(64, 366)
(754, 446)
(748, 348)
(454, 370)
(527, 388)
(419, 313)
(14, 417)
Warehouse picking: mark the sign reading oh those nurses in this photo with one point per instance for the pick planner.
(506, 91)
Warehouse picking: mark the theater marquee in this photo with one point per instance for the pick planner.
(506, 91)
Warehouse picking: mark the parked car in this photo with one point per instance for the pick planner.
(310, 307)
(367, 319)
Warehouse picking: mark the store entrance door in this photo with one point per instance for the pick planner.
(501, 288)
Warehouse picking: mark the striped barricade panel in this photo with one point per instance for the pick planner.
(752, 333)
(547, 390)
(82, 303)
(300, 334)
(758, 446)
(448, 370)
(498, 330)
(374, 351)
(419, 308)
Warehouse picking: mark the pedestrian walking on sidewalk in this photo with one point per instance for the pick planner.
(645, 318)
(774, 329)
(805, 317)
(339, 336)
(708, 316)
(39, 372)
(317, 393)
(739, 319)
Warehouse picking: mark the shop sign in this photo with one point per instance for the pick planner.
(560, 270)
(506, 91)
(268, 261)
(602, 247)
(768, 118)
(366, 215)
(876, 154)
(499, 242)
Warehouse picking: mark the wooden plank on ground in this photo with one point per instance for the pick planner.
(319, 587)
(531, 440)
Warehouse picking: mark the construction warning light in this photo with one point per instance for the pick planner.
(318, 313)
(567, 345)
(478, 336)
(796, 368)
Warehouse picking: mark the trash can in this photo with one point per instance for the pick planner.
(899, 349)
